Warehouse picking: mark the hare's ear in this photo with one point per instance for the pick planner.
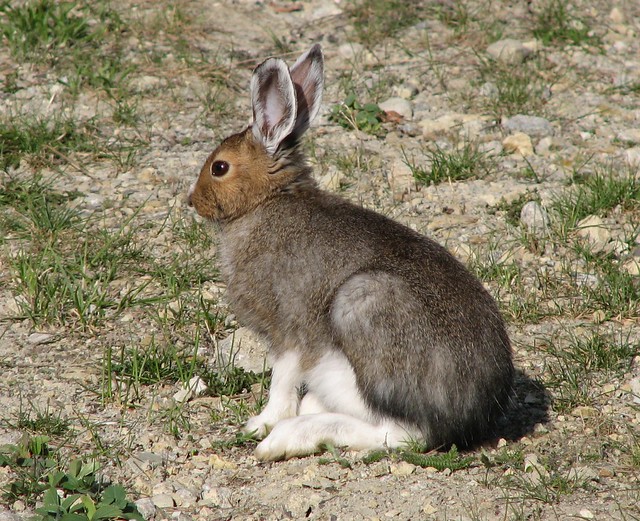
(274, 104)
(308, 78)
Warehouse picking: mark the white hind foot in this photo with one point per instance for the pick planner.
(286, 377)
(304, 435)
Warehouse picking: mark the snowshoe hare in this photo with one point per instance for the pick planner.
(389, 335)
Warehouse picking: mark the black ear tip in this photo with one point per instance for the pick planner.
(316, 48)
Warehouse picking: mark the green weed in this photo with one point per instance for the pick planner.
(76, 493)
(352, 114)
(596, 193)
(451, 460)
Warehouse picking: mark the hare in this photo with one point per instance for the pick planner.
(377, 334)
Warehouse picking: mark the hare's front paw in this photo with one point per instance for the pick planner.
(259, 426)
(288, 438)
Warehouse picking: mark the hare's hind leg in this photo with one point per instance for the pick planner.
(332, 412)
(286, 378)
(304, 435)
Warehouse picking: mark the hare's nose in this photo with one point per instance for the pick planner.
(190, 194)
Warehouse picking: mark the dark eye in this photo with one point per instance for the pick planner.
(219, 168)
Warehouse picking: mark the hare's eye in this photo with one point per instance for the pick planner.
(219, 168)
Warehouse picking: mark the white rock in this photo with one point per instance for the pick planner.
(508, 51)
(402, 468)
(531, 125)
(630, 135)
(399, 105)
(632, 266)
(632, 156)
(162, 501)
(544, 146)
(37, 339)
(349, 51)
(147, 83)
(616, 16)
(245, 349)
(195, 387)
(595, 231)
(332, 180)
(634, 383)
(518, 142)
(534, 217)
(146, 507)
(401, 177)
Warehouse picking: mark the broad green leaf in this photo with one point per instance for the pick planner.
(107, 512)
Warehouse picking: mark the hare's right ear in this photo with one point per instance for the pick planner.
(273, 99)
(308, 78)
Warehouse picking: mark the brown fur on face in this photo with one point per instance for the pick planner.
(253, 177)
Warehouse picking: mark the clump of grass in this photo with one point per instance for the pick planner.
(576, 363)
(374, 20)
(42, 140)
(36, 29)
(462, 162)
(513, 209)
(555, 23)
(64, 274)
(44, 422)
(518, 89)
(596, 193)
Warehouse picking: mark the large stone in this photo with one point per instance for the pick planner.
(531, 125)
(630, 135)
(594, 230)
(243, 348)
(508, 51)
(518, 143)
(398, 105)
(534, 217)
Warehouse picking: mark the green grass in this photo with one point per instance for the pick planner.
(457, 164)
(512, 209)
(578, 363)
(42, 140)
(37, 29)
(374, 20)
(596, 193)
(65, 273)
(518, 89)
(41, 421)
(556, 22)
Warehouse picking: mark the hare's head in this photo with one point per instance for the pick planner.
(248, 167)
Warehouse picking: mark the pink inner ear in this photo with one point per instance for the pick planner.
(274, 111)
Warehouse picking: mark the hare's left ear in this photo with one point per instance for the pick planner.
(308, 78)
(273, 99)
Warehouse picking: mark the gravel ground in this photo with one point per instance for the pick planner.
(441, 80)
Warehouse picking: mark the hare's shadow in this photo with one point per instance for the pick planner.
(529, 406)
